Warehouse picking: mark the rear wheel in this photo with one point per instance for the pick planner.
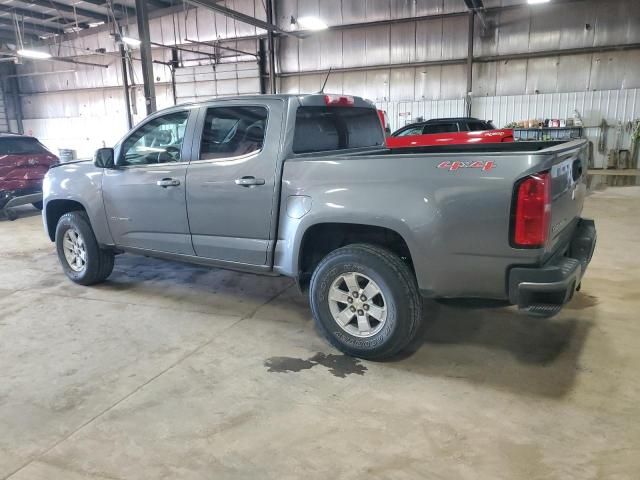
(365, 301)
(82, 260)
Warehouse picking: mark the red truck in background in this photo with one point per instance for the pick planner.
(24, 162)
(448, 131)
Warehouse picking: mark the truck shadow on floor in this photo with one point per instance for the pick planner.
(488, 343)
(481, 343)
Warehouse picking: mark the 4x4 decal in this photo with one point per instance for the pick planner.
(452, 166)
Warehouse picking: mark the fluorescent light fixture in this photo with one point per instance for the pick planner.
(536, 2)
(23, 52)
(134, 42)
(95, 24)
(311, 23)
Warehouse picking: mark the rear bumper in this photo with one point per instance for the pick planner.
(544, 290)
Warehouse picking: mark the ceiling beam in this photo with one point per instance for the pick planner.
(241, 17)
(118, 7)
(23, 12)
(61, 7)
(32, 27)
(159, 3)
(9, 36)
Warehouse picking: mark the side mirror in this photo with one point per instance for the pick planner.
(104, 158)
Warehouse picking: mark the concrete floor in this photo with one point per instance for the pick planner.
(170, 371)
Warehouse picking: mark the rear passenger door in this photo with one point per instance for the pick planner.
(231, 182)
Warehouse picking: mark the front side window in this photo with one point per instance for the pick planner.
(415, 130)
(157, 141)
(233, 131)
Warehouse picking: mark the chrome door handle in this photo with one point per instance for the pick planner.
(249, 181)
(168, 182)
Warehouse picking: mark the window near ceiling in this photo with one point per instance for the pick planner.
(233, 131)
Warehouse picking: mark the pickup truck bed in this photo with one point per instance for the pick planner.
(303, 186)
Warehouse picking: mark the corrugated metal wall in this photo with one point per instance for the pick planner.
(518, 31)
(425, 91)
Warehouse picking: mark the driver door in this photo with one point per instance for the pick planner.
(144, 196)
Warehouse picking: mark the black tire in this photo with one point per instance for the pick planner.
(99, 262)
(38, 205)
(401, 295)
(11, 215)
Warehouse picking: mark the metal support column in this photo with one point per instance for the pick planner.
(175, 62)
(262, 65)
(125, 84)
(271, 47)
(142, 17)
(470, 63)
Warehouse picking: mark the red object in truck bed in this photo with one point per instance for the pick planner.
(451, 138)
(448, 131)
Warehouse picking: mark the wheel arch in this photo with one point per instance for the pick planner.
(321, 238)
(55, 209)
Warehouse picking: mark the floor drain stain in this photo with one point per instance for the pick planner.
(338, 365)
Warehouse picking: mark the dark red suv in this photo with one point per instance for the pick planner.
(24, 161)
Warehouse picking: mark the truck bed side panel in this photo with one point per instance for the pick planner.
(454, 217)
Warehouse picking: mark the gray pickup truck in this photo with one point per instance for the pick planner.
(303, 186)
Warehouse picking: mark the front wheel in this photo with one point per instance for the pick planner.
(365, 301)
(82, 259)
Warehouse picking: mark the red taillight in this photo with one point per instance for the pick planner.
(533, 211)
(339, 100)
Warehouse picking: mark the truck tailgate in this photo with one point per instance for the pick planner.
(568, 191)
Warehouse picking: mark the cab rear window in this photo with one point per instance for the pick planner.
(322, 129)
(21, 146)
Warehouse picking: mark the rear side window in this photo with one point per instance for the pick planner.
(478, 126)
(233, 131)
(441, 128)
(322, 129)
(21, 146)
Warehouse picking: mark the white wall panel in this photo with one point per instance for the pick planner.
(402, 43)
(542, 75)
(427, 86)
(377, 45)
(402, 84)
(330, 11)
(330, 50)
(428, 41)
(308, 50)
(377, 10)
(377, 85)
(429, 7)
(354, 47)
